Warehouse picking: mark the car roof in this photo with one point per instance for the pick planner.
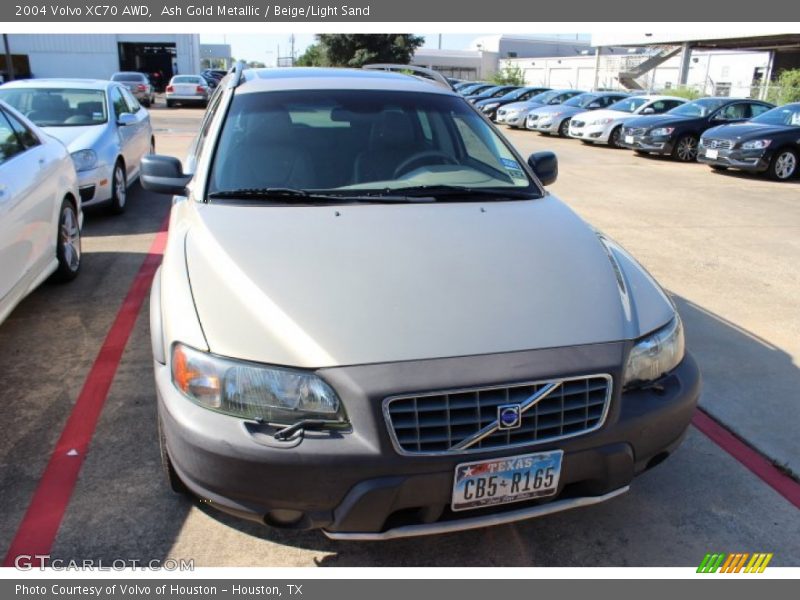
(323, 78)
(68, 83)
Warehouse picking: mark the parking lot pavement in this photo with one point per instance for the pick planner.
(726, 246)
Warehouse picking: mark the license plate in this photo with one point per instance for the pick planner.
(628, 139)
(506, 480)
(712, 153)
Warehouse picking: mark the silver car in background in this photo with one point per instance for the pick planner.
(555, 119)
(103, 126)
(139, 85)
(187, 89)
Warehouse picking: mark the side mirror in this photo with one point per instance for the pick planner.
(126, 119)
(163, 175)
(649, 111)
(545, 166)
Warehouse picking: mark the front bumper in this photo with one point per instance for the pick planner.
(756, 161)
(94, 185)
(590, 133)
(515, 120)
(354, 485)
(546, 125)
(644, 143)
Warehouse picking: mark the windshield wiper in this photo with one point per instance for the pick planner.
(458, 192)
(261, 193)
(289, 194)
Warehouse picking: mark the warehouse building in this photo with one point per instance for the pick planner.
(100, 55)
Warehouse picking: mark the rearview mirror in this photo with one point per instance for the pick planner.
(594, 105)
(164, 175)
(649, 111)
(126, 119)
(545, 166)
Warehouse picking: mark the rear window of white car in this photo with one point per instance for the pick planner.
(58, 107)
(187, 79)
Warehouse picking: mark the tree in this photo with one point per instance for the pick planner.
(314, 56)
(509, 76)
(356, 50)
(788, 87)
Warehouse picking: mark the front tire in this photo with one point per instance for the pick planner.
(68, 243)
(783, 165)
(170, 104)
(563, 129)
(685, 149)
(119, 189)
(615, 137)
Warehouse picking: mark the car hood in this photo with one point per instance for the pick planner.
(330, 286)
(743, 131)
(560, 109)
(76, 138)
(649, 121)
(602, 113)
(522, 105)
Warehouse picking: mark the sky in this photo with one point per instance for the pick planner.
(265, 47)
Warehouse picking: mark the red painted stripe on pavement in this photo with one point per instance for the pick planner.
(755, 462)
(41, 522)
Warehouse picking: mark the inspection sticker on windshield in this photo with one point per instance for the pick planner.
(505, 480)
(513, 168)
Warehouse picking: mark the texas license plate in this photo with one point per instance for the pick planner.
(505, 480)
(628, 139)
(712, 154)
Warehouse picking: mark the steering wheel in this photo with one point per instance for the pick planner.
(424, 157)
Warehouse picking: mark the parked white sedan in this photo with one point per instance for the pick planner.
(102, 125)
(605, 126)
(40, 210)
(187, 89)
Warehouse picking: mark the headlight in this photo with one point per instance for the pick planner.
(656, 354)
(252, 391)
(658, 131)
(605, 121)
(490, 106)
(756, 144)
(84, 159)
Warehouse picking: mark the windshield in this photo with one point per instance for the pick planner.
(628, 105)
(58, 107)
(783, 115)
(544, 97)
(581, 101)
(488, 93)
(514, 94)
(698, 108)
(474, 89)
(131, 77)
(366, 141)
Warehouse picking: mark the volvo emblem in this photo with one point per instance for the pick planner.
(509, 416)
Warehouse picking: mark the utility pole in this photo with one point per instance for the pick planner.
(440, 41)
(291, 58)
(9, 61)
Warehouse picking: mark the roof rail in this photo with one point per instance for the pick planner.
(421, 72)
(237, 74)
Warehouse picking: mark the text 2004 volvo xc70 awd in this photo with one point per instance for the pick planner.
(372, 319)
